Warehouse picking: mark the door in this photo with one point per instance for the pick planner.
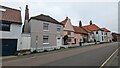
(75, 40)
(59, 41)
(9, 47)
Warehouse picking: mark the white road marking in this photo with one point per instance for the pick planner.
(109, 58)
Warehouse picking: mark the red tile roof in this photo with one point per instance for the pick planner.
(12, 15)
(64, 21)
(104, 29)
(79, 30)
(90, 28)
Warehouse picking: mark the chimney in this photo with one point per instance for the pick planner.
(26, 13)
(80, 23)
(90, 22)
(66, 18)
(26, 26)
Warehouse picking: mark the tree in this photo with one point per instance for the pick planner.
(65, 39)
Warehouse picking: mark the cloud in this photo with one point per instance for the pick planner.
(104, 14)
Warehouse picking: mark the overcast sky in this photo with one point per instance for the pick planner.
(102, 13)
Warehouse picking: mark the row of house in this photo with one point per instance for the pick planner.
(87, 33)
(43, 32)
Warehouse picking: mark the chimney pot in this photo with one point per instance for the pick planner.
(90, 22)
(80, 23)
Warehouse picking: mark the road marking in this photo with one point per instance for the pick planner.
(109, 58)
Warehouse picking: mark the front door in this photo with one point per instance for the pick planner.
(59, 41)
(75, 40)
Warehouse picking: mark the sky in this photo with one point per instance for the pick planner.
(103, 13)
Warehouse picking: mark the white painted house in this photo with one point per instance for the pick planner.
(10, 30)
(97, 34)
(107, 35)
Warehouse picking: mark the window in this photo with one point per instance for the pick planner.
(45, 26)
(96, 32)
(102, 33)
(45, 39)
(102, 38)
(106, 33)
(69, 32)
(58, 28)
(69, 39)
(4, 26)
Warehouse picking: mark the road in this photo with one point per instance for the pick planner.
(93, 55)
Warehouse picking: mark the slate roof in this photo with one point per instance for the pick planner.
(46, 18)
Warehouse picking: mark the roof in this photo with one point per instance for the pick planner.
(10, 14)
(64, 21)
(79, 30)
(90, 28)
(46, 18)
(104, 29)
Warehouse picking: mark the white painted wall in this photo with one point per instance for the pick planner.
(26, 42)
(14, 33)
(106, 38)
(98, 36)
(91, 37)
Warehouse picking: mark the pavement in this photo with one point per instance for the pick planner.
(93, 55)
(8, 57)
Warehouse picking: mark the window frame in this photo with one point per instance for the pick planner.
(45, 25)
(58, 27)
(47, 39)
(5, 26)
(96, 32)
(102, 38)
(69, 32)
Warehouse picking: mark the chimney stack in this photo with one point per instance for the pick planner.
(80, 23)
(26, 26)
(90, 22)
(26, 13)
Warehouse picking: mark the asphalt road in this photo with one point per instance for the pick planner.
(93, 55)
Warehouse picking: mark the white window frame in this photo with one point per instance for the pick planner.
(47, 25)
(43, 39)
(58, 27)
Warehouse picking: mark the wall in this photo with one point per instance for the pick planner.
(26, 42)
(78, 37)
(69, 27)
(15, 33)
(90, 37)
(37, 31)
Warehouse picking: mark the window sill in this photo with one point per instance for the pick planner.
(58, 31)
(45, 43)
(45, 30)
